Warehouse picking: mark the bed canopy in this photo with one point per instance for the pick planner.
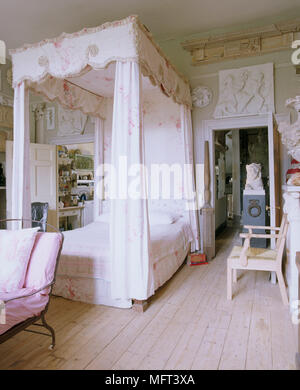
(81, 71)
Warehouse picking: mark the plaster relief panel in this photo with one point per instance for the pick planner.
(245, 91)
(6, 117)
(70, 122)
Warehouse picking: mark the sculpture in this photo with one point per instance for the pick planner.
(245, 91)
(201, 96)
(290, 134)
(294, 180)
(70, 121)
(254, 180)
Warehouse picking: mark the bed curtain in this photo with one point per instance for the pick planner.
(46, 67)
(189, 185)
(98, 166)
(21, 206)
(132, 271)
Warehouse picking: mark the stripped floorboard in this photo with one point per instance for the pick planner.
(189, 325)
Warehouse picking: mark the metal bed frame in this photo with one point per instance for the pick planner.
(32, 320)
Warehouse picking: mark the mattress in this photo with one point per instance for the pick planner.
(84, 269)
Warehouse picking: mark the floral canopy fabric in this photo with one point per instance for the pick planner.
(80, 71)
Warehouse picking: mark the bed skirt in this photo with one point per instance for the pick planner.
(98, 291)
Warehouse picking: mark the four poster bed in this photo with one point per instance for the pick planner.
(120, 258)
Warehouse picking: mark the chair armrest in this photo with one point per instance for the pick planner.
(28, 294)
(243, 255)
(261, 227)
(253, 235)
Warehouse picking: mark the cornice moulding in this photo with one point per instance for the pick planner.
(251, 42)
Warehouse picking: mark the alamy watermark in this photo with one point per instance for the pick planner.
(2, 313)
(2, 52)
(295, 58)
(154, 181)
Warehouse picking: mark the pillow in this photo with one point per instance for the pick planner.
(162, 218)
(104, 217)
(41, 267)
(15, 252)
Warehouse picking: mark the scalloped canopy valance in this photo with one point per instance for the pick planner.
(70, 57)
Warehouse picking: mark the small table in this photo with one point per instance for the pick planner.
(73, 211)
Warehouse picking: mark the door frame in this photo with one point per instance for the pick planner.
(241, 122)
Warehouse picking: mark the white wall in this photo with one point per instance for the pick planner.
(286, 85)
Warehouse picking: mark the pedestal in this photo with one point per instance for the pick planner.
(291, 196)
(254, 213)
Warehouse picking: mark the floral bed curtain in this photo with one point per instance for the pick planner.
(21, 202)
(98, 166)
(190, 188)
(132, 271)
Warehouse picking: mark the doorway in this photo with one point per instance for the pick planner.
(75, 173)
(268, 120)
(233, 150)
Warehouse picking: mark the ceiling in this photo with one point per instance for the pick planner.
(34, 20)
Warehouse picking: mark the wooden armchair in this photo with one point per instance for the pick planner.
(261, 259)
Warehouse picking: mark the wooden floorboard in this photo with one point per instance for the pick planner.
(189, 325)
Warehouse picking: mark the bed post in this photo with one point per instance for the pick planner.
(207, 211)
(140, 305)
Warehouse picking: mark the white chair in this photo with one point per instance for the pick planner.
(261, 259)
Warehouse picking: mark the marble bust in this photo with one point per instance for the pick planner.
(254, 180)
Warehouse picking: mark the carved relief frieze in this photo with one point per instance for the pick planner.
(70, 122)
(6, 116)
(6, 100)
(245, 91)
(246, 43)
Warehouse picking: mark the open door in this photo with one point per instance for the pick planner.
(274, 171)
(43, 177)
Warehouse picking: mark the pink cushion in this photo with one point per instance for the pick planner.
(42, 263)
(21, 309)
(15, 251)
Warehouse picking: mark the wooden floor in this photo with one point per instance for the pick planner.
(189, 325)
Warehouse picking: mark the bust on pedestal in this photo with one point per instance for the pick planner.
(254, 203)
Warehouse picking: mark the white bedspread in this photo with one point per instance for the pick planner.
(85, 251)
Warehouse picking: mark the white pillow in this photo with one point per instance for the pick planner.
(162, 218)
(15, 252)
(104, 217)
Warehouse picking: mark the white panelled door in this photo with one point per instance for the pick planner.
(43, 177)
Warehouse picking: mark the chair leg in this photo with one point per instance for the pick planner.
(51, 330)
(282, 288)
(234, 275)
(229, 282)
